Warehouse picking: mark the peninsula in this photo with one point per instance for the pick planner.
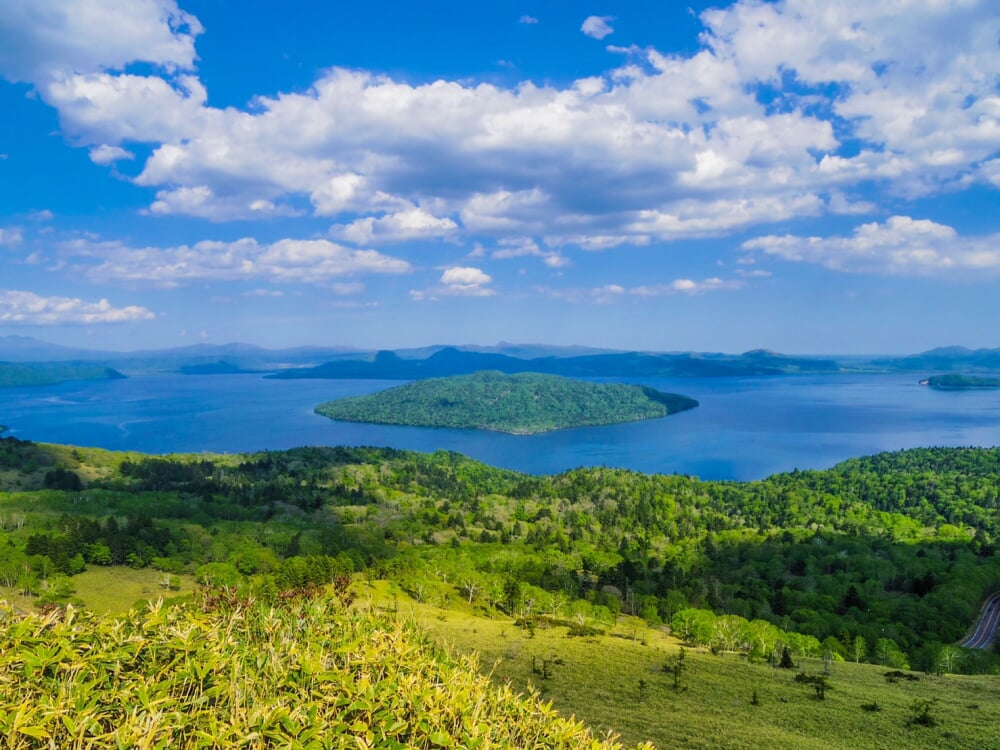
(520, 404)
(958, 382)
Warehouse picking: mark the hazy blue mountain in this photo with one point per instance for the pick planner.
(453, 361)
(21, 374)
(949, 358)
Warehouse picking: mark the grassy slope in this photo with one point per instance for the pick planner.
(525, 403)
(302, 674)
(598, 682)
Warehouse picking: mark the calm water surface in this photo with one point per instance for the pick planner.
(745, 428)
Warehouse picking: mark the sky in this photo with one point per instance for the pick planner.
(803, 176)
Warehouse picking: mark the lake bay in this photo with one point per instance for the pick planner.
(745, 428)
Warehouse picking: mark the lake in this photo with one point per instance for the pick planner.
(745, 428)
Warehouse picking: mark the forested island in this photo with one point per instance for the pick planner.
(520, 404)
(810, 585)
(959, 382)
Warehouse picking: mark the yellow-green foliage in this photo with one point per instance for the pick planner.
(301, 674)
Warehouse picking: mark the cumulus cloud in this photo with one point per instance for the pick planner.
(597, 27)
(411, 224)
(466, 280)
(458, 281)
(32, 309)
(48, 38)
(288, 260)
(738, 133)
(900, 246)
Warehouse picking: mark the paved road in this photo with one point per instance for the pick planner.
(986, 629)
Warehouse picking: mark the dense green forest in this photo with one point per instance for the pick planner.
(522, 404)
(883, 559)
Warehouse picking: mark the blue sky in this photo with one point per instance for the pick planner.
(803, 176)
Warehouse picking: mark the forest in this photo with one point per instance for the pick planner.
(884, 559)
(522, 404)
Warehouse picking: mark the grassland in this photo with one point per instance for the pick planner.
(597, 679)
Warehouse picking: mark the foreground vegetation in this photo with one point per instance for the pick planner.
(876, 566)
(522, 404)
(300, 671)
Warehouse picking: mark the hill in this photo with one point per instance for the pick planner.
(570, 580)
(454, 361)
(14, 375)
(520, 404)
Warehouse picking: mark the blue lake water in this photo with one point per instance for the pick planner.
(745, 428)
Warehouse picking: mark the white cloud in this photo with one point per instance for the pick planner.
(200, 201)
(597, 27)
(530, 20)
(521, 247)
(347, 288)
(694, 218)
(288, 260)
(41, 215)
(598, 241)
(32, 309)
(516, 247)
(10, 235)
(756, 273)
(601, 295)
(687, 286)
(411, 224)
(741, 132)
(457, 281)
(105, 154)
(900, 246)
(466, 280)
(47, 38)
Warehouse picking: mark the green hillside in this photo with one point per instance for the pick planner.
(17, 374)
(522, 404)
(582, 584)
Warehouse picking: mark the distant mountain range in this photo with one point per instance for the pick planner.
(442, 361)
(453, 361)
